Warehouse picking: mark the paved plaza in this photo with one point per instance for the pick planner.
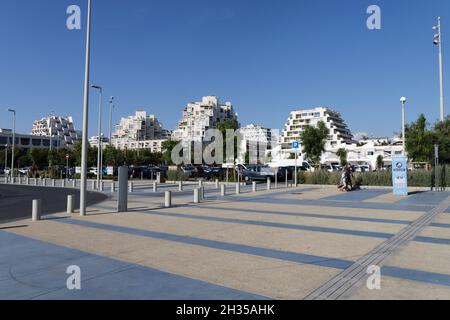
(309, 242)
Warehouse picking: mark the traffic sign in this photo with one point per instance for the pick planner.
(67, 157)
(295, 145)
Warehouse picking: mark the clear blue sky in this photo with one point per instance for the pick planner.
(268, 57)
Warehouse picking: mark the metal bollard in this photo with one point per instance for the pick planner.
(180, 185)
(269, 184)
(37, 210)
(53, 183)
(168, 199)
(28, 181)
(238, 188)
(130, 187)
(35, 181)
(223, 190)
(70, 204)
(94, 185)
(200, 183)
(122, 199)
(217, 184)
(287, 185)
(158, 177)
(113, 187)
(63, 183)
(155, 186)
(202, 193)
(196, 195)
(20, 180)
(254, 186)
(276, 180)
(102, 186)
(74, 183)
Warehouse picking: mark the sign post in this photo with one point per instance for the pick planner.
(296, 146)
(400, 175)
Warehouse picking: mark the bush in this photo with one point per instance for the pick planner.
(178, 175)
(418, 178)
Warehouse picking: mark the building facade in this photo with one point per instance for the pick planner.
(28, 141)
(198, 117)
(58, 127)
(141, 131)
(259, 137)
(339, 134)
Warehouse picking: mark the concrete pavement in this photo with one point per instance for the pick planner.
(278, 244)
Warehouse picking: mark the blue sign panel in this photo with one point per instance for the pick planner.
(400, 175)
(295, 145)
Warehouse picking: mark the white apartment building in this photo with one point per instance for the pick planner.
(198, 117)
(93, 141)
(339, 135)
(58, 127)
(141, 131)
(262, 138)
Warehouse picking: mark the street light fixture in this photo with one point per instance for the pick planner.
(438, 42)
(111, 107)
(99, 137)
(85, 142)
(403, 101)
(13, 142)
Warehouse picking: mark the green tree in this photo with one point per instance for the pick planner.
(442, 138)
(419, 141)
(167, 147)
(380, 162)
(313, 141)
(342, 154)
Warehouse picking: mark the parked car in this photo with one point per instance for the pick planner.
(258, 173)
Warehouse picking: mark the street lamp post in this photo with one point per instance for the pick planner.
(13, 142)
(85, 143)
(111, 107)
(99, 137)
(403, 101)
(6, 159)
(438, 42)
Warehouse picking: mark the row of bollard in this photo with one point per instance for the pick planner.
(36, 211)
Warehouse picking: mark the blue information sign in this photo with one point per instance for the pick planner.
(400, 175)
(295, 145)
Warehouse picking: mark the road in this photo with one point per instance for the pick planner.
(16, 201)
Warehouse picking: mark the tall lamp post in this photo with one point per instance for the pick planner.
(6, 159)
(403, 101)
(99, 137)
(13, 142)
(85, 143)
(438, 41)
(111, 107)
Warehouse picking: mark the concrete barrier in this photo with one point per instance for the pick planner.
(196, 195)
(36, 210)
(70, 204)
(168, 199)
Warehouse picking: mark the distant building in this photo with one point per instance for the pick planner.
(141, 131)
(263, 138)
(93, 141)
(28, 141)
(60, 128)
(198, 117)
(339, 135)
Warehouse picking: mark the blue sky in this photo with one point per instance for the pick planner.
(267, 57)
